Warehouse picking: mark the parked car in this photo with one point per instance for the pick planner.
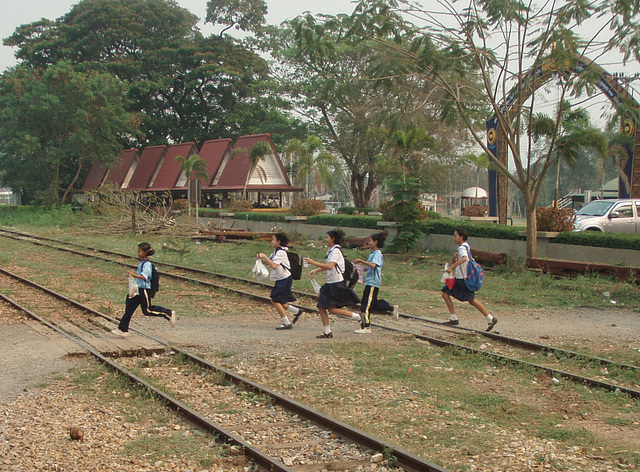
(610, 216)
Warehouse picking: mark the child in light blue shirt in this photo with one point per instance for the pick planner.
(372, 281)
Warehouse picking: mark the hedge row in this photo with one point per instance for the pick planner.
(477, 230)
(598, 239)
(260, 216)
(345, 220)
(440, 225)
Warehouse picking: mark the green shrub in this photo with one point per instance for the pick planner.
(554, 219)
(241, 205)
(180, 204)
(209, 212)
(598, 239)
(345, 220)
(304, 207)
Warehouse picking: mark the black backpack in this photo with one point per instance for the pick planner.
(155, 281)
(351, 275)
(295, 264)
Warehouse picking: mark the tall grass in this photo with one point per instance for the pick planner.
(12, 215)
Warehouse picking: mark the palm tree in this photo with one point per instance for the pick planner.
(258, 152)
(194, 168)
(574, 136)
(313, 162)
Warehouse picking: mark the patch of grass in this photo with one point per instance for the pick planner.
(155, 447)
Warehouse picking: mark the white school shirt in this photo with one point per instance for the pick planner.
(334, 254)
(461, 270)
(280, 257)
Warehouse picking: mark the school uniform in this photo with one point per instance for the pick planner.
(142, 299)
(335, 293)
(460, 290)
(281, 292)
(372, 281)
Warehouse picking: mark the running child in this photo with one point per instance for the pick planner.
(460, 291)
(372, 279)
(142, 299)
(334, 295)
(281, 294)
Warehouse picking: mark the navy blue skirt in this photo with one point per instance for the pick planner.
(281, 292)
(337, 295)
(460, 291)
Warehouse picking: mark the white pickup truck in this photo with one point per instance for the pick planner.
(610, 216)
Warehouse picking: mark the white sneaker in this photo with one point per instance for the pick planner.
(363, 331)
(173, 318)
(396, 311)
(117, 332)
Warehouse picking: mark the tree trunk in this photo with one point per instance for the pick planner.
(532, 230)
(70, 186)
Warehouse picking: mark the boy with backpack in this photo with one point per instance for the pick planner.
(282, 273)
(146, 278)
(459, 291)
(372, 281)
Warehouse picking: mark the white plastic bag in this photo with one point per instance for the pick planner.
(361, 270)
(260, 271)
(447, 277)
(133, 287)
(316, 286)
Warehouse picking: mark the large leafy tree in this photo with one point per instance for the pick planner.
(325, 68)
(185, 86)
(514, 47)
(54, 124)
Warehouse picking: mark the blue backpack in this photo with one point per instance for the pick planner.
(475, 274)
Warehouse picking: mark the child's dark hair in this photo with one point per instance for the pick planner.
(146, 247)
(462, 232)
(379, 238)
(337, 235)
(283, 238)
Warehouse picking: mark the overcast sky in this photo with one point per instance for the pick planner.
(16, 13)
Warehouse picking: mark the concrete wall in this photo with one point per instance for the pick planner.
(443, 242)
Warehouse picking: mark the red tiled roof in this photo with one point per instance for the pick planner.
(119, 172)
(213, 152)
(232, 176)
(170, 168)
(146, 167)
(95, 177)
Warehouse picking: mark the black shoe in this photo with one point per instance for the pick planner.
(494, 322)
(297, 315)
(325, 335)
(284, 326)
(451, 323)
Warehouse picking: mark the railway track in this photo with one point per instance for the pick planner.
(586, 369)
(277, 432)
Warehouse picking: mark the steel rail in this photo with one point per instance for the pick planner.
(406, 459)
(182, 409)
(20, 236)
(529, 344)
(504, 359)
(510, 360)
